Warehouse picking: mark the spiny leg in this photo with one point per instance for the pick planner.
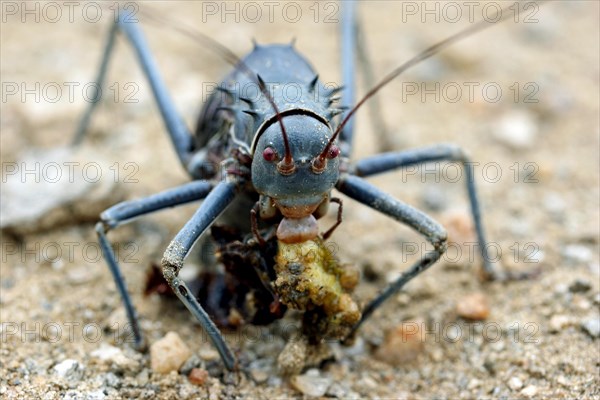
(125, 212)
(435, 234)
(442, 152)
(214, 204)
(179, 133)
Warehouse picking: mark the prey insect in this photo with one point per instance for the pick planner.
(265, 169)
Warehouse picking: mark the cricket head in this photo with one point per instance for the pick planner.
(296, 174)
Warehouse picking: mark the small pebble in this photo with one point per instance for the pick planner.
(338, 391)
(143, 377)
(168, 354)
(311, 383)
(517, 130)
(191, 363)
(73, 395)
(582, 303)
(554, 204)
(51, 395)
(274, 381)
(68, 369)
(473, 307)
(356, 349)
(577, 253)
(292, 358)
(559, 322)
(402, 344)
(563, 381)
(490, 365)
(497, 346)
(591, 326)
(208, 354)
(561, 289)
(111, 380)
(198, 376)
(81, 275)
(474, 384)
(261, 370)
(529, 391)
(515, 383)
(259, 375)
(95, 395)
(580, 286)
(368, 382)
(113, 355)
(436, 354)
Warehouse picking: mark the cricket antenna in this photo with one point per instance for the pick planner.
(425, 54)
(286, 165)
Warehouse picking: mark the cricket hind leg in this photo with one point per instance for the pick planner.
(367, 194)
(125, 212)
(441, 152)
(180, 136)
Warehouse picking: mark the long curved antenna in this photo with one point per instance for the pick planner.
(286, 165)
(425, 54)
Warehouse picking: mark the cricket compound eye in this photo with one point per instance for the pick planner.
(333, 152)
(270, 155)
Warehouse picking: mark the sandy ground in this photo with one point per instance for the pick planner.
(536, 142)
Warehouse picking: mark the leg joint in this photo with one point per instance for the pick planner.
(172, 262)
(455, 152)
(439, 240)
(102, 226)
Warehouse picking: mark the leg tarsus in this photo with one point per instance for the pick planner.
(427, 261)
(139, 341)
(172, 263)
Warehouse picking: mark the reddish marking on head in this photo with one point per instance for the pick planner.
(319, 163)
(333, 152)
(270, 155)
